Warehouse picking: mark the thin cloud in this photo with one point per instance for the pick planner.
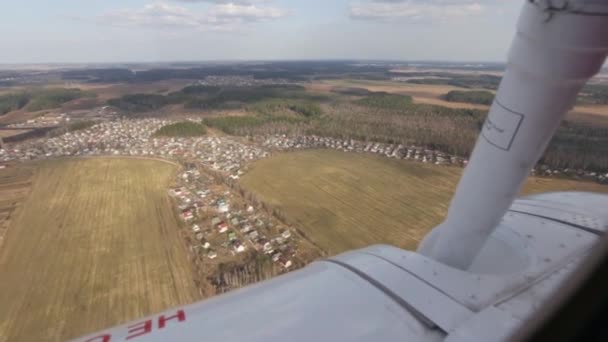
(237, 2)
(415, 9)
(218, 17)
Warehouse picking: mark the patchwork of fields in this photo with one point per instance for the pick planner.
(94, 244)
(346, 200)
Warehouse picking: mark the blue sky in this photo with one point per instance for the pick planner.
(61, 31)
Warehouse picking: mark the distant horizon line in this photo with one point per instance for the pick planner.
(379, 60)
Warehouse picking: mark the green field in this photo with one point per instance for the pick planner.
(346, 200)
(93, 245)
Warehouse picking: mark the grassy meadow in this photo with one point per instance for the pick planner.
(344, 201)
(93, 245)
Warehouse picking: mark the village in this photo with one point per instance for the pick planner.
(233, 237)
(223, 225)
(231, 155)
(414, 153)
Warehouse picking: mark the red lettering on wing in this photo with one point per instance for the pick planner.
(100, 338)
(162, 320)
(140, 329)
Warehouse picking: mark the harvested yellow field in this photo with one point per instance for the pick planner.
(444, 103)
(423, 90)
(601, 110)
(344, 201)
(94, 244)
(429, 93)
(5, 133)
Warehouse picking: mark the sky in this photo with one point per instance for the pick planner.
(85, 31)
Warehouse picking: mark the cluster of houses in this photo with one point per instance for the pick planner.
(239, 81)
(48, 120)
(122, 137)
(223, 224)
(283, 142)
(56, 119)
(217, 153)
(135, 138)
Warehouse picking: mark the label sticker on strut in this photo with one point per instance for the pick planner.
(501, 126)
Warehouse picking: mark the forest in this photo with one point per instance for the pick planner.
(140, 102)
(457, 80)
(201, 97)
(181, 129)
(395, 119)
(473, 96)
(11, 102)
(40, 99)
(289, 70)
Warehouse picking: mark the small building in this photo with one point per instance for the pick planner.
(286, 263)
(187, 215)
(215, 221)
(276, 256)
(246, 229)
(212, 255)
(239, 248)
(222, 206)
(196, 228)
(253, 235)
(222, 227)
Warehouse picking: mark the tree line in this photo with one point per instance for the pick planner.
(394, 119)
(181, 129)
(40, 99)
(202, 97)
(474, 96)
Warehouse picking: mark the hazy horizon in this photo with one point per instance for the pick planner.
(149, 31)
(246, 61)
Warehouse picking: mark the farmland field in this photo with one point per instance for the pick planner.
(346, 200)
(429, 94)
(94, 244)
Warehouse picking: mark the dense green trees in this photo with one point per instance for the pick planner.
(457, 80)
(40, 99)
(182, 129)
(140, 102)
(11, 102)
(275, 107)
(234, 124)
(386, 101)
(211, 97)
(473, 96)
(54, 98)
(394, 119)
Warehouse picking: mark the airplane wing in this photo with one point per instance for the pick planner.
(383, 293)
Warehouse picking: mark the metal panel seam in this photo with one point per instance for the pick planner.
(588, 230)
(405, 305)
(474, 310)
